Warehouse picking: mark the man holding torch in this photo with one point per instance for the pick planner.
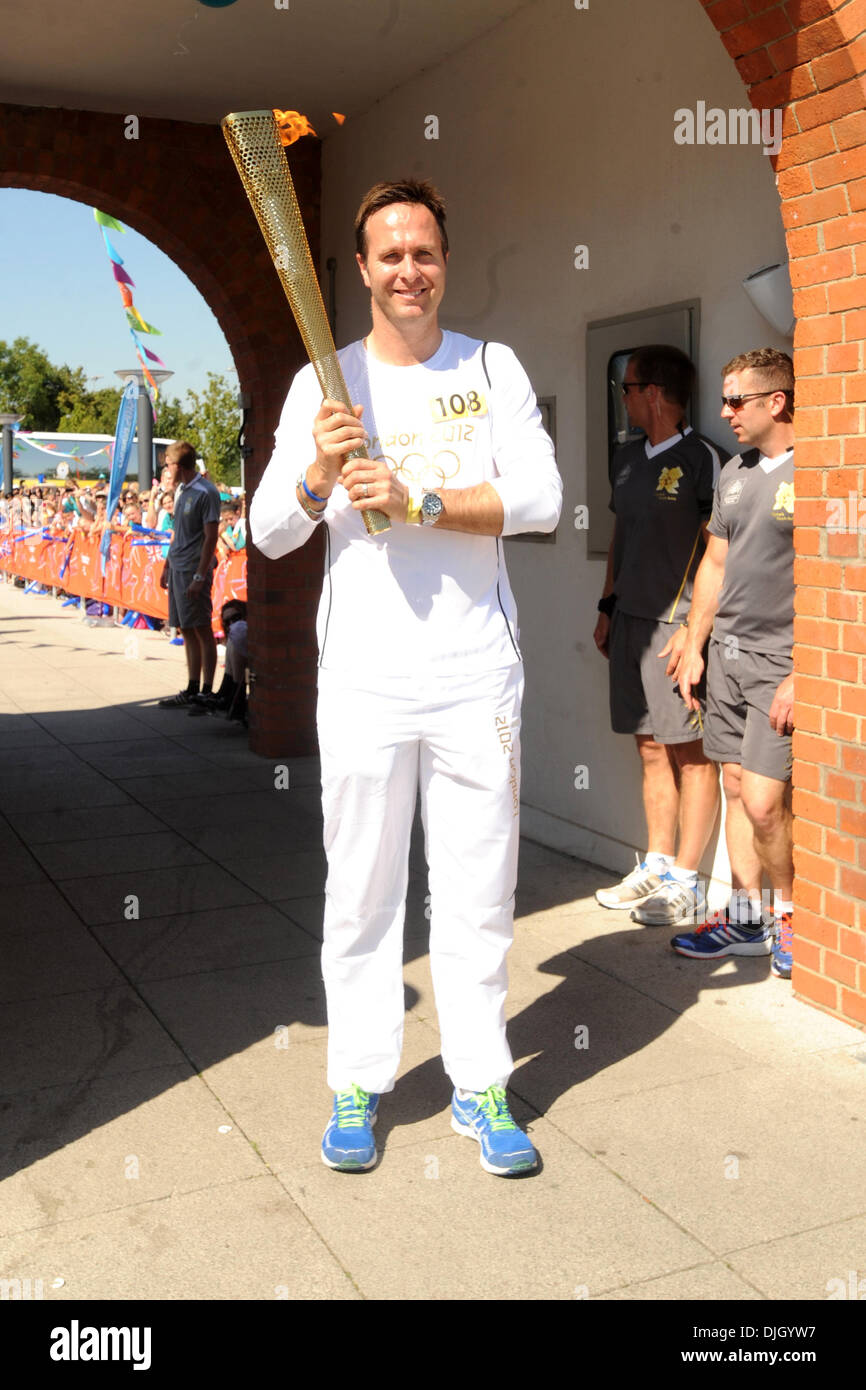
(420, 672)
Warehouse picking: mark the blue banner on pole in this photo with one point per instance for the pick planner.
(124, 433)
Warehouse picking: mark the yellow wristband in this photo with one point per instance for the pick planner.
(413, 514)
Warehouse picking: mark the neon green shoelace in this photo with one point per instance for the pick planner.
(495, 1107)
(352, 1108)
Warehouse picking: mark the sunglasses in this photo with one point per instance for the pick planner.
(737, 402)
(626, 386)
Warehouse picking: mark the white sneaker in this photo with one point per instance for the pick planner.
(636, 886)
(672, 905)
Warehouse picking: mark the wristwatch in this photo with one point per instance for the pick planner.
(198, 579)
(432, 508)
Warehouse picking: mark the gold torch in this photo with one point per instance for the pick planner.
(253, 138)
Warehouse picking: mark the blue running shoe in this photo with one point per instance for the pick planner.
(348, 1143)
(783, 945)
(722, 938)
(484, 1116)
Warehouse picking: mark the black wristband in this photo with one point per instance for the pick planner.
(607, 605)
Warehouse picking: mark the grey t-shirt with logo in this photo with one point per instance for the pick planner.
(661, 497)
(195, 504)
(753, 511)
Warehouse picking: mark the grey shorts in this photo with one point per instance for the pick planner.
(740, 691)
(182, 611)
(643, 699)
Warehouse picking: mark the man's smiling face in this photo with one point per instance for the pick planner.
(404, 269)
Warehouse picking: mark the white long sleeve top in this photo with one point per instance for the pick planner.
(414, 598)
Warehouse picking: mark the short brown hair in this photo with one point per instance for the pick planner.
(666, 366)
(183, 453)
(381, 195)
(775, 367)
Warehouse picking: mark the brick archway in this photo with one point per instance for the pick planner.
(809, 57)
(176, 185)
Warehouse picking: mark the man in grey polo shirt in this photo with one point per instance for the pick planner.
(662, 497)
(744, 595)
(188, 572)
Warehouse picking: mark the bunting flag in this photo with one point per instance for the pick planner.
(106, 220)
(125, 285)
(118, 260)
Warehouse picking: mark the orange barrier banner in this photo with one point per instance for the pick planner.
(132, 572)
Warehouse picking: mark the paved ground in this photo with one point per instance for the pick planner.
(161, 1075)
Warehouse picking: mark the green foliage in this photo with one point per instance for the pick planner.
(35, 388)
(91, 412)
(213, 429)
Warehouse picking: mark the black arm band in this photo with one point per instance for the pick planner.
(607, 605)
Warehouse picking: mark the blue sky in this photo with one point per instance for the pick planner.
(57, 289)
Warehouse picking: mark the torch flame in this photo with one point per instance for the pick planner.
(337, 117)
(292, 126)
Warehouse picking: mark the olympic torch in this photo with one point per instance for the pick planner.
(254, 141)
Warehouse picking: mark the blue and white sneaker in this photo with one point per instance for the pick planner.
(783, 947)
(719, 937)
(348, 1144)
(485, 1117)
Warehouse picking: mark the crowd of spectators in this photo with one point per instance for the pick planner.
(63, 508)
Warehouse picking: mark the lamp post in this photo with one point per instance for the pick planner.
(145, 422)
(7, 421)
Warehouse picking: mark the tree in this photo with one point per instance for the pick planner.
(214, 424)
(172, 420)
(35, 388)
(91, 412)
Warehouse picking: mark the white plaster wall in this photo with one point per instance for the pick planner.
(556, 129)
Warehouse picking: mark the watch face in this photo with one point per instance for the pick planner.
(431, 507)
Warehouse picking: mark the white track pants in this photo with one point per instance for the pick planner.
(459, 738)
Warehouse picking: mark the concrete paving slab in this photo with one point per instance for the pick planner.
(732, 1134)
(32, 905)
(236, 1241)
(86, 726)
(218, 1014)
(39, 961)
(51, 791)
(297, 873)
(159, 892)
(147, 762)
(289, 832)
(192, 942)
(827, 1261)
(709, 1283)
(189, 813)
(207, 783)
(45, 827)
(159, 849)
(475, 1236)
(18, 864)
(74, 1037)
(18, 730)
(590, 1038)
(44, 757)
(117, 1141)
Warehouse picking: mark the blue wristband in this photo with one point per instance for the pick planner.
(311, 494)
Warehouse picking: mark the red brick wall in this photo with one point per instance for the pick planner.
(809, 57)
(177, 185)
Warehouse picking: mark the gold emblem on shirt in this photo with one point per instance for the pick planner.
(669, 481)
(783, 503)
